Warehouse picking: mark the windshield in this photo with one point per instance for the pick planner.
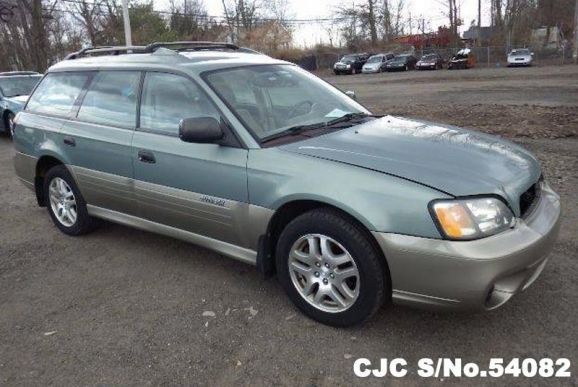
(271, 98)
(398, 59)
(349, 58)
(18, 85)
(520, 52)
(375, 59)
(429, 57)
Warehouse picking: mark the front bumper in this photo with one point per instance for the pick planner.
(370, 70)
(523, 62)
(342, 70)
(477, 275)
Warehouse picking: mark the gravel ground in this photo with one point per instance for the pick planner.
(125, 307)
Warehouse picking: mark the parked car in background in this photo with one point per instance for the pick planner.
(350, 64)
(15, 87)
(402, 62)
(376, 63)
(430, 62)
(464, 59)
(520, 57)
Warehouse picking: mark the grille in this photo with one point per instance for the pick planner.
(529, 199)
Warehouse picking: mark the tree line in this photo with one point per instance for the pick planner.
(372, 22)
(36, 33)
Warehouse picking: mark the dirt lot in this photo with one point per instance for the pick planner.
(125, 307)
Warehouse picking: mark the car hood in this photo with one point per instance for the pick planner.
(520, 56)
(372, 65)
(455, 161)
(19, 100)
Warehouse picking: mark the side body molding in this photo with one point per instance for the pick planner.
(230, 227)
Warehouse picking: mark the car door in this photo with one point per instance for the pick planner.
(383, 62)
(200, 188)
(98, 140)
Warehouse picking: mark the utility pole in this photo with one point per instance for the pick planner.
(127, 33)
(479, 14)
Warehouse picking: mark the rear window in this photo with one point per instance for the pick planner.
(111, 99)
(57, 93)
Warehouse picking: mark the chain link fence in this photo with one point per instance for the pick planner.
(492, 56)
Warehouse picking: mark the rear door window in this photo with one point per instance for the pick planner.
(57, 93)
(111, 99)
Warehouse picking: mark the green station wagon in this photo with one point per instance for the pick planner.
(261, 161)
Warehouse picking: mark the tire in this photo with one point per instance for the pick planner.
(348, 241)
(83, 223)
(9, 124)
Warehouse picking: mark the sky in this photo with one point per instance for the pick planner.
(308, 34)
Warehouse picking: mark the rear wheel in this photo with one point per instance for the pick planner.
(65, 203)
(329, 268)
(9, 124)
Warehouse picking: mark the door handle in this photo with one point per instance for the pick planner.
(146, 157)
(69, 141)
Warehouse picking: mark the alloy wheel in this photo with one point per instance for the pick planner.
(63, 202)
(324, 273)
(11, 124)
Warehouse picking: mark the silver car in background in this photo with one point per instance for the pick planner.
(376, 63)
(520, 57)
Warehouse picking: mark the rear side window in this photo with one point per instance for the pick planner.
(168, 98)
(111, 99)
(57, 93)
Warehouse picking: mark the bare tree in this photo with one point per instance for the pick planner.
(241, 16)
(371, 20)
(391, 16)
(189, 19)
(89, 14)
(453, 14)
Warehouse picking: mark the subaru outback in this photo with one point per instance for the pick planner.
(261, 161)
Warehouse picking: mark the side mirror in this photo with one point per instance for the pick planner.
(351, 94)
(532, 54)
(201, 130)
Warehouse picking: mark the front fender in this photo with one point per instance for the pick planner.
(379, 201)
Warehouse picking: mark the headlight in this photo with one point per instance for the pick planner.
(348, 66)
(466, 219)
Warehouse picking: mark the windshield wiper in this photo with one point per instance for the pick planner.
(293, 131)
(298, 129)
(348, 118)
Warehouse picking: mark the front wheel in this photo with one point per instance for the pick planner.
(65, 203)
(329, 268)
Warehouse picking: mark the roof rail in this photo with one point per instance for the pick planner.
(191, 45)
(15, 73)
(111, 50)
(176, 46)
